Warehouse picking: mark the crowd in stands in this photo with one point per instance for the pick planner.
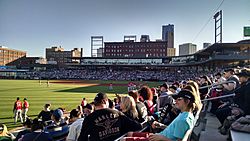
(103, 74)
(105, 119)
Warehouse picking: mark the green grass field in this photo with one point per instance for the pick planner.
(59, 95)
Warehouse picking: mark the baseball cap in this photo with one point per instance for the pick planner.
(58, 113)
(99, 97)
(185, 94)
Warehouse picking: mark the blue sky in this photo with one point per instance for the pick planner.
(33, 25)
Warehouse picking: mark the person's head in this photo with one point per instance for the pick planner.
(116, 100)
(185, 100)
(24, 99)
(88, 109)
(172, 89)
(146, 93)
(84, 98)
(154, 91)
(74, 114)
(164, 87)
(228, 73)
(128, 104)
(57, 115)
(205, 79)
(193, 87)
(17, 98)
(134, 94)
(3, 130)
(47, 106)
(37, 124)
(176, 84)
(218, 75)
(101, 100)
(183, 83)
(244, 75)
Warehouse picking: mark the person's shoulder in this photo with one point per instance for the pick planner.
(234, 78)
(139, 103)
(186, 115)
(77, 122)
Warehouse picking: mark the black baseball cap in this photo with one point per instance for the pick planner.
(100, 97)
(185, 94)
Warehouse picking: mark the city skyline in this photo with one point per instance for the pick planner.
(33, 26)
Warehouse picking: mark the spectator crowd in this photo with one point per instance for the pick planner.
(170, 109)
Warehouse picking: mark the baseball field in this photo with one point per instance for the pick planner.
(59, 93)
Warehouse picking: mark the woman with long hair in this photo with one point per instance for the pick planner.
(4, 134)
(194, 87)
(204, 81)
(185, 102)
(147, 95)
(128, 107)
(140, 107)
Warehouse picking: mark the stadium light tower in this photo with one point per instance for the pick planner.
(218, 26)
(96, 43)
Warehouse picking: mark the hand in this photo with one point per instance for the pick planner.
(156, 124)
(157, 137)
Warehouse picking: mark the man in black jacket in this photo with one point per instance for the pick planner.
(105, 124)
(242, 97)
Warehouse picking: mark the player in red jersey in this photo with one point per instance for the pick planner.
(25, 108)
(17, 110)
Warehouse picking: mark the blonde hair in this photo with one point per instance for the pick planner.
(129, 106)
(4, 131)
(193, 86)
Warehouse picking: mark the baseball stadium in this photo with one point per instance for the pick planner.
(64, 87)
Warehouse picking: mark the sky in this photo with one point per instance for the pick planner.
(33, 25)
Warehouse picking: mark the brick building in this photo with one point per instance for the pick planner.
(133, 49)
(57, 55)
(9, 55)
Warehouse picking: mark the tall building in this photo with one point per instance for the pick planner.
(137, 49)
(9, 55)
(100, 52)
(187, 48)
(168, 34)
(57, 55)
